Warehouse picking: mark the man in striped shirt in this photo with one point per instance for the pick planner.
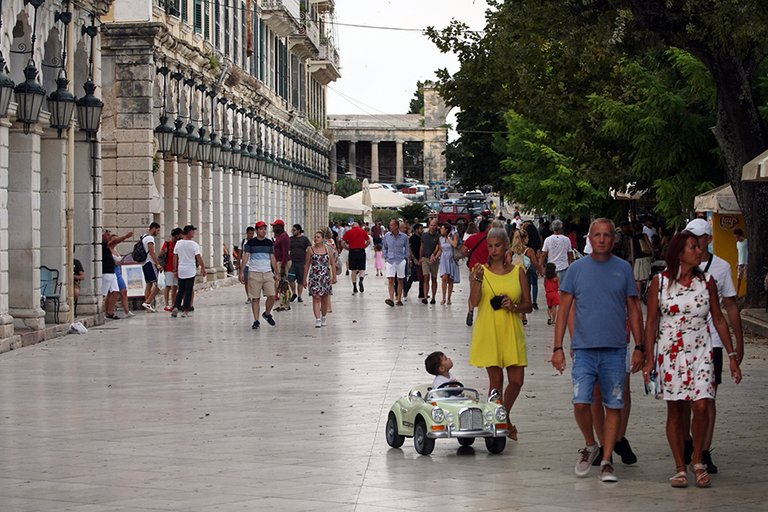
(259, 258)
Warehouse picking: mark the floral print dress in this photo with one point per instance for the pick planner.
(319, 279)
(684, 352)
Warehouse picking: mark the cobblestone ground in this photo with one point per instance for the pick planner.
(204, 414)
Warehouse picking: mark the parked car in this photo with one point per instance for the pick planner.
(457, 412)
(479, 208)
(453, 212)
(473, 195)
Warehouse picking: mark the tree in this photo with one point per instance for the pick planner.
(345, 187)
(566, 66)
(413, 211)
(416, 105)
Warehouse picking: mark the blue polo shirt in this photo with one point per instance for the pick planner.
(395, 247)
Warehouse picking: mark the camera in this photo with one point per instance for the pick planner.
(496, 301)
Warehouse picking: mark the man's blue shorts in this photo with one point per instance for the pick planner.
(605, 366)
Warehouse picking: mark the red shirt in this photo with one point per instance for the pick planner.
(478, 242)
(168, 246)
(283, 249)
(356, 238)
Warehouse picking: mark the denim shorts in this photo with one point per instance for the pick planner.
(605, 366)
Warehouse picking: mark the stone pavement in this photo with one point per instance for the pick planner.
(204, 414)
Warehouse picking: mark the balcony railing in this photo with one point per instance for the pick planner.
(292, 7)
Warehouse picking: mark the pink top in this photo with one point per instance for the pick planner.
(379, 259)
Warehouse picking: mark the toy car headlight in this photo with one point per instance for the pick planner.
(488, 416)
(449, 416)
(501, 414)
(438, 415)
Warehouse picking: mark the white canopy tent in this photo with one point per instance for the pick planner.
(382, 197)
(338, 204)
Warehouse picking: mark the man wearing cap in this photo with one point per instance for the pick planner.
(282, 248)
(356, 239)
(720, 270)
(186, 257)
(259, 258)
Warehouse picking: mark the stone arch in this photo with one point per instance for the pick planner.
(21, 45)
(52, 60)
(81, 67)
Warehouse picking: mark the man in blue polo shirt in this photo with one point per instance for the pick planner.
(602, 291)
(259, 258)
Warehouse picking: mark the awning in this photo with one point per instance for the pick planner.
(338, 204)
(382, 197)
(756, 169)
(717, 200)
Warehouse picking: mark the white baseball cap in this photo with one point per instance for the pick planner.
(699, 227)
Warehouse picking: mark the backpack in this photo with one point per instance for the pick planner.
(139, 253)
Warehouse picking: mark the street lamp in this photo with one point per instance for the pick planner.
(203, 147)
(224, 153)
(89, 107)
(193, 142)
(235, 157)
(163, 132)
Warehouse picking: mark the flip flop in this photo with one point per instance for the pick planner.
(702, 477)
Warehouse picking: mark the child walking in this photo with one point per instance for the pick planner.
(379, 260)
(552, 289)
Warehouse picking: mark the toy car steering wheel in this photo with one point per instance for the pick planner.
(451, 384)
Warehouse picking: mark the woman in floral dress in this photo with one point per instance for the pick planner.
(319, 275)
(679, 301)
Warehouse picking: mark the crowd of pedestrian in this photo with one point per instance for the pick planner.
(595, 299)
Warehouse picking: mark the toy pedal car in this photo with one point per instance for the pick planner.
(427, 414)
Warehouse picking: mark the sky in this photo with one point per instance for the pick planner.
(380, 68)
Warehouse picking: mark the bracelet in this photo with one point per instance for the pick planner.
(556, 349)
(733, 354)
(641, 348)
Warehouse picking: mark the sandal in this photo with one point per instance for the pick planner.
(512, 432)
(680, 480)
(702, 477)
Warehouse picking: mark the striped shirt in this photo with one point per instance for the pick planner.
(260, 251)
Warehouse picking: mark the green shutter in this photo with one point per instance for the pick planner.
(198, 17)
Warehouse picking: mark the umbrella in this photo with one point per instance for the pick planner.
(366, 199)
(338, 204)
(382, 198)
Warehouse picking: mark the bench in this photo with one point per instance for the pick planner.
(50, 290)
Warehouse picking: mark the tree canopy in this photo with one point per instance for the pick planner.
(563, 100)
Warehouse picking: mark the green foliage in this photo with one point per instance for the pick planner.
(385, 215)
(547, 179)
(343, 218)
(416, 106)
(413, 211)
(345, 187)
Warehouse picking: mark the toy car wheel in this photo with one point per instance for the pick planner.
(495, 444)
(423, 444)
(394, 439)
(466, 441)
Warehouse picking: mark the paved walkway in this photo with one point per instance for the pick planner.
(204, 414)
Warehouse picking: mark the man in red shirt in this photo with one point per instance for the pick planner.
(282, 248)
(476, 250)
(355, 241)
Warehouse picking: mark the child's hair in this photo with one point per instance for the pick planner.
(550, 271)
(432, 362)
(377, 247)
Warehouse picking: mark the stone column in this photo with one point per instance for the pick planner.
(226, 215)
(183, 200)
(171, 197)
(375, 161)
(7, 338)
(399, 161)
(195, 194)
(24, 216)
(53, 238)
(333, 164)
(236, 212)
(352, 159)
(217, 223)
(206, 221)
(245, 210)
(89, 221)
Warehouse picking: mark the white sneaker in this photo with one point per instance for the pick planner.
(323, 321)
(587, 456)
(149, 307)
(607, 474)
(318, 323)
(130, 313)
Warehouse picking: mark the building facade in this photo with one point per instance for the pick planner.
(49, 51)
(242, 86)
(213, 115)
(388, 148)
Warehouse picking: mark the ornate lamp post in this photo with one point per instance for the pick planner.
(89, 107)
